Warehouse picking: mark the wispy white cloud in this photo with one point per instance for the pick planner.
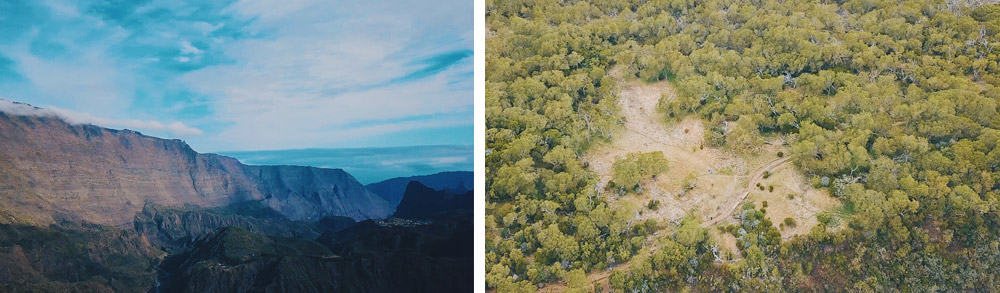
(187, 48)
(324, 66)
(252, 74)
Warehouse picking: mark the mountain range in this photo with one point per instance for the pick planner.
(86, 208)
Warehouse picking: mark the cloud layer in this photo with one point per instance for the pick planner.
(71, 117)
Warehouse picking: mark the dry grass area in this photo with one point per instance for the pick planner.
(792, 198)
(718, 174)
(723, 179)
(727, 245)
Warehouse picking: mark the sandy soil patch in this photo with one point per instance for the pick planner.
(719, 176)
(793, 198)
(723, 180)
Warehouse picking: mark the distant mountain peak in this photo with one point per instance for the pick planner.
(392, 190)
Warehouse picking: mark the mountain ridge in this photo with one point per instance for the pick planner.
(392, 190)
(422, 202)
(53, 171)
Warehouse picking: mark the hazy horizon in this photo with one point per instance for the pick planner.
(369, 164)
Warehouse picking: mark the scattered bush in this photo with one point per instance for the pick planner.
(653, 204)
(824, 218)
(790, 222)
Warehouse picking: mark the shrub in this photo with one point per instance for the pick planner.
(824, 218)
(653, 204)
(790, 222)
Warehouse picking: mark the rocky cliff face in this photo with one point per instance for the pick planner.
(171, 228)
(307, 193)
(52, 171)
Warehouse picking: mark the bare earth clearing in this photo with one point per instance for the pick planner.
(723, 180)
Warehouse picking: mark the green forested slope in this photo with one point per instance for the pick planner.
(892, 104)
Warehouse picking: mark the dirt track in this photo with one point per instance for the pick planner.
(758, 177)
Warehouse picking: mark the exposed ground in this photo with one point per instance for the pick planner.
(792, 198)
(718, 174)
(723, 179)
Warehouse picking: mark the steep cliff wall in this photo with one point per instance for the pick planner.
(52, 171)
(307, 193)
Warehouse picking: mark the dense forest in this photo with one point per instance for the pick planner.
(890, 105)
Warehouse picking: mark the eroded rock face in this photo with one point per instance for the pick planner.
(170, 228)
(307, 193)
(52, 171)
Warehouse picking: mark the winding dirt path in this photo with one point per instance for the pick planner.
(758, 177)
(600, 278)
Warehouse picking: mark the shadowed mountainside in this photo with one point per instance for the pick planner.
(75, 259)
(420, 202)
(374, 256)
(392, 190)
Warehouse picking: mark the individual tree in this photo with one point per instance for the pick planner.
(629, 171)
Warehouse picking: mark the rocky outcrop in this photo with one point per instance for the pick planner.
(392, 190)
(170, 228)
(52, 171)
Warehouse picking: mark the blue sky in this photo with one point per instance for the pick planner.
(248, 74)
